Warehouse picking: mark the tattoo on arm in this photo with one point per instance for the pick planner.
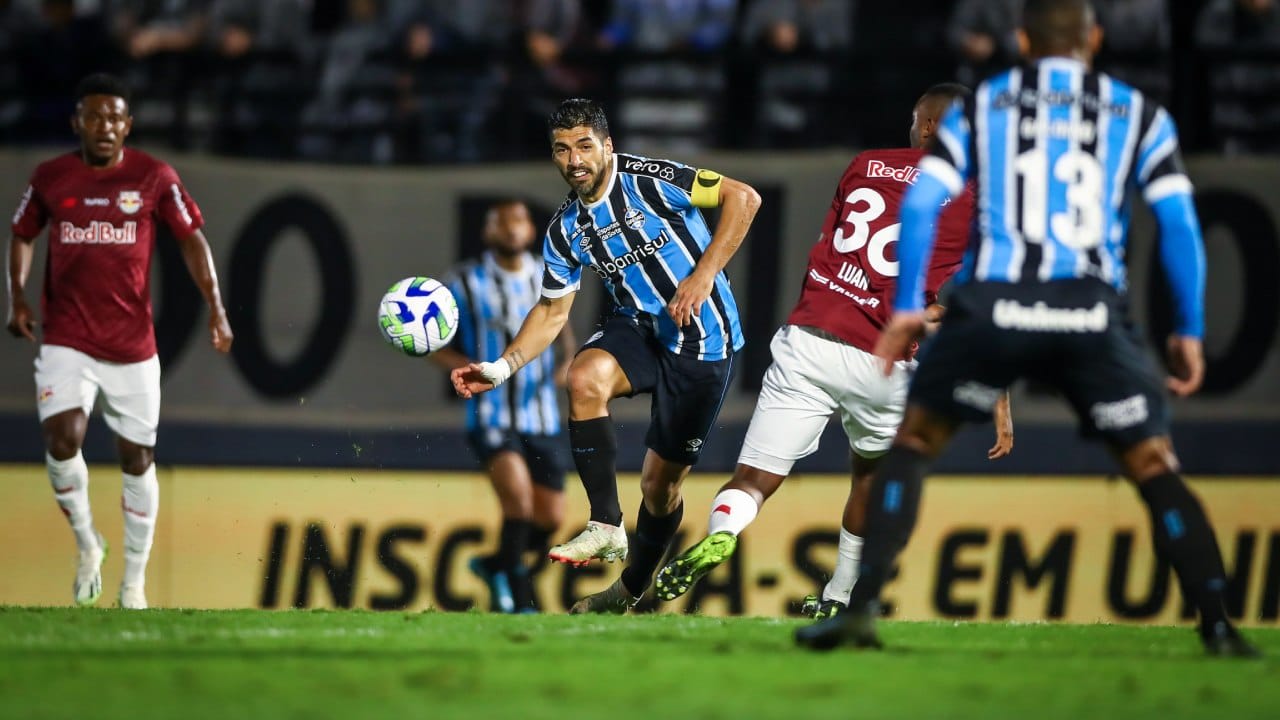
(516, 359)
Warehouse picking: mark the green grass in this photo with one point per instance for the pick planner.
(66, 663)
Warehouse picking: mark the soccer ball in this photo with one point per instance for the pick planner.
(418, 316)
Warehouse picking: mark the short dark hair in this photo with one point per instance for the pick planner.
(102, 84)
(1054, 25)
(579, 112)
(948, 91)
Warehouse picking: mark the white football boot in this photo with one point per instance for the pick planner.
(132, 597)
(599, 540)
(88, 585)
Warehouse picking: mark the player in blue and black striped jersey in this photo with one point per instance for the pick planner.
(1057, 152)
(635, 222)
(514, 431)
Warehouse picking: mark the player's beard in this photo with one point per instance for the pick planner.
(598, 175)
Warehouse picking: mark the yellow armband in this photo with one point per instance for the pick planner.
(706, 189)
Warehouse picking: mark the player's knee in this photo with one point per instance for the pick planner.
(135, 459)
(1149, 458)
(589, 383)
(61, 446)
(661, 495)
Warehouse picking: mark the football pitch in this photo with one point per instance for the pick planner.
(64, 663)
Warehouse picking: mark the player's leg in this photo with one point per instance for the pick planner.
(131, 408)
(960, 376)
(791, 412)
(547, 473)
(835, 594)
(1182, 533)
(616, 362)
(1118, 396)
(871, 408)
(686, 402)
(66, 388)
(509, 476)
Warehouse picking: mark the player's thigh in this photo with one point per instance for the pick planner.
(686, 403)
(792, 410)
(628, 347)
(131, 399)
(1114, 387)
(871, 404)
(66, 379)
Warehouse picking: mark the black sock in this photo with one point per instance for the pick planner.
(512, 541)
(539, 541)
(653, 537)
(1184, 537)
(595, 450)
(891, 516)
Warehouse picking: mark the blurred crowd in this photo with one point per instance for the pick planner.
(436, 81)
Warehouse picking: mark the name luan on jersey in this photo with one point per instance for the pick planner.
(642, 238)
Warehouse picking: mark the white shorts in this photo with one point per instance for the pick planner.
(67, 379)
(810, 379)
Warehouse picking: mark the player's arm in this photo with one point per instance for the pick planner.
(456, 354)
(738, 203)
(1168, 191)
(21, 321)
(942, 178)
(539, 329)
(199, 259)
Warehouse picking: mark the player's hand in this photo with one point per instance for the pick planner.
(220, 332)
(1003, 419)
(469, 381)
(690, 294)
(902, 329)
(1186, 365)
(22, 321)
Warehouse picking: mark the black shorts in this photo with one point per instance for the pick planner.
(687, 393)
(1073, 335)
(540, 452)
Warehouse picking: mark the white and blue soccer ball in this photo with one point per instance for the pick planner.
(418, 316)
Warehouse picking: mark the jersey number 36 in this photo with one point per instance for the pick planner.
(854, 232)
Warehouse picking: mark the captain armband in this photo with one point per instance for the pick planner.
(706, 189)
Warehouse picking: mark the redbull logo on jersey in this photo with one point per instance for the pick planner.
(98, 233)
(129, 202)
(618, 264)
(877, 169)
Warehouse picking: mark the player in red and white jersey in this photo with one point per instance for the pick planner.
(823, 362)
(101, 205)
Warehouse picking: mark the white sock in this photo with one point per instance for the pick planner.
(70, 481)
(732, 511)
(846, 574)
(140, 501)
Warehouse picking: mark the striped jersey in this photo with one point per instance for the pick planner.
(1056, 151)
(492, 303)
(642, 237)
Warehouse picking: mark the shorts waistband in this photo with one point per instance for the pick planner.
(825, 335)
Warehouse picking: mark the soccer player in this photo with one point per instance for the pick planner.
(102, 205)
(514, 429)
(635, 222)
(1056, 150)
(822, 361)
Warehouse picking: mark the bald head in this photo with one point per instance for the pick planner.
(1065, 28)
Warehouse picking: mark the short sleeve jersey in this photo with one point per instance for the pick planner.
(848, 287)
(643, 237)
(96, 296)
